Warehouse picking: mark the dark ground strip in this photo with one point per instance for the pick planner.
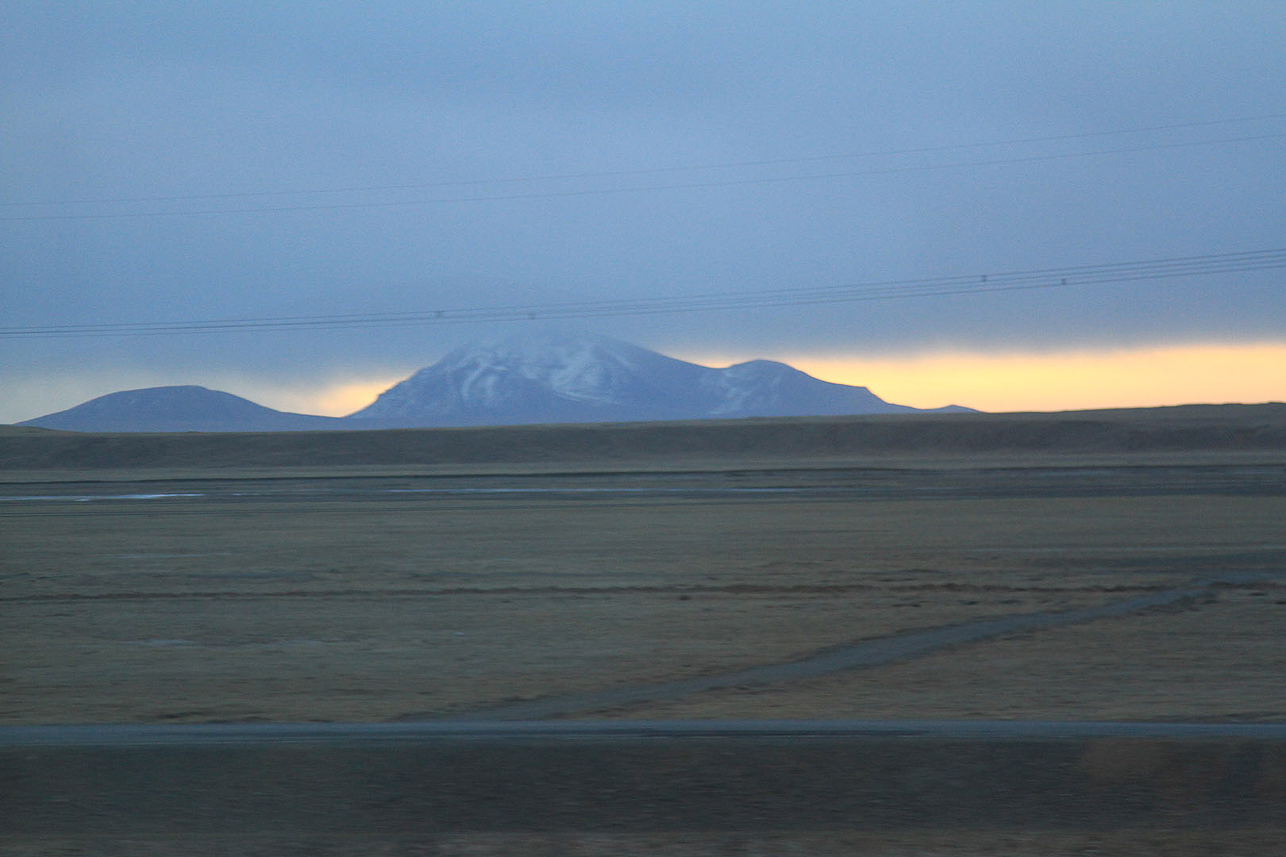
(626, 589)
(123, 736)
(675, 777)
(868, 653)
(1263, 479)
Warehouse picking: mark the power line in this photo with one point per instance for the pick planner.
(621, 173)
(1008, 281)
(587, 192)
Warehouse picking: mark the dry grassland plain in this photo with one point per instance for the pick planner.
(385, 576)
(376, 589)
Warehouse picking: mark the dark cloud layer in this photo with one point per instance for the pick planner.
(120, 101)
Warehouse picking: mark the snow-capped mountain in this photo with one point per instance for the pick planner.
(543, 378)
(527, 378)
(183, 408)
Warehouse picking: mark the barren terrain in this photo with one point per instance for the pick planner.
(391, 597)
(351, 589)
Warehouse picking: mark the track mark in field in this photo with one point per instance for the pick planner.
(868, 653)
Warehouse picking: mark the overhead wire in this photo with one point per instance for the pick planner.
(588, 192)
(639, 171)
(1004, 281)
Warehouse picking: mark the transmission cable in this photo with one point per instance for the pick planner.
(641, 171)
(589, 192)
(1005, 281)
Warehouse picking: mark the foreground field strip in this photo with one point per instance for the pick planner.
(695, 589)
(864, 654)
(530, 788)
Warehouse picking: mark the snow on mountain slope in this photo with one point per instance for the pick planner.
(767, 388)
(583, 378)
(527, 378)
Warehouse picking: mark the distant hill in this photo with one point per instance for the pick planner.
(514, 380)
(544, 378)
(178, 409)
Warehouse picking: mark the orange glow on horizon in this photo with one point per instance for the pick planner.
(343, 399)
(1053, 381)
(336, 399)
(1057, 381)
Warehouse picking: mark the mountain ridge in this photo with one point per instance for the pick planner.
(535, 378)
(523, 379)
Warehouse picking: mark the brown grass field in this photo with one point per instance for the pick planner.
(329, 577)
(353, 590)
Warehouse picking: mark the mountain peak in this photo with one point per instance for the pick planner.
(570, 362)
(762, 369)
(536, 376)
(542, 376)
(544, 339)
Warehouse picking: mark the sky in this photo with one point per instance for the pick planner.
(772, 163)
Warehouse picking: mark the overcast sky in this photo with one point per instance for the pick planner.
(243, 160)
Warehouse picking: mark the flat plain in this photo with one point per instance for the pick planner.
(439, 575)
(380, 590)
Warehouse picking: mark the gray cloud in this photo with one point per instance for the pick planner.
(110, 101)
